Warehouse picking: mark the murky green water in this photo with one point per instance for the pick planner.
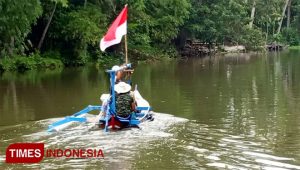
(236, 111)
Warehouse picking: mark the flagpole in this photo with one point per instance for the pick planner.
(126, 58)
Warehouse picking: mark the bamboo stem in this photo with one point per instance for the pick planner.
(126, 57)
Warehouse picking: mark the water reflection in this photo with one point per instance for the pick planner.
(249, 96)
(39, 95)
(243, 111)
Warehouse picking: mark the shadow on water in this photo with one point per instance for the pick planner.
(238, 111)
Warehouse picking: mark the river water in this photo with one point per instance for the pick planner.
(235, 111)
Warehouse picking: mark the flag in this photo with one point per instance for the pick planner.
(115, 32)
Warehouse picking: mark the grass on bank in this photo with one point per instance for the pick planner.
(53, 59)
(32, 62)
(294, 47)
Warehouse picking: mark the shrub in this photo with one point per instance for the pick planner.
(7, 64)
(109, 60)
(31, 62)
(49, 63)
(25, 63)
(291, 36)
(252, 38)
(52, 54)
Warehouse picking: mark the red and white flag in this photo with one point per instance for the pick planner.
(115, 32)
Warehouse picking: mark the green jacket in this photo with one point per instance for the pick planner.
(123, 104)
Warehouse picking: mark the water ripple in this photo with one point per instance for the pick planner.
(118, 147)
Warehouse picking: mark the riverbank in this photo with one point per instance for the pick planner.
(294, 47)
(53, 60)
(31, 62)
(36, 61)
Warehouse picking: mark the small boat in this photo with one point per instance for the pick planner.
(111, 120)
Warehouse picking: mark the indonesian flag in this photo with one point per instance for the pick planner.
(115, 32)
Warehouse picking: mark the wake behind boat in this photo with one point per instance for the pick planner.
(111, 120)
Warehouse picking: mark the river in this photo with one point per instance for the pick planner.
(235, 111)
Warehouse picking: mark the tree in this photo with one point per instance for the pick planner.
(64, 4)
(217, 20)
(80, 27)
(288, 22)
(282, 15)
(252, 14)
(153, 24)
(267, 18)
(15, 23)
(165, 19)
(156, 21)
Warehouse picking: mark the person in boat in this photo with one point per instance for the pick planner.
(105, 97)
(119, 74)
(125, 104)
(122, 75)
(123, 98)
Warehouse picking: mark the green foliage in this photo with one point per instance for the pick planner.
(267, 19)
(138, 24)
(83, 24)
(152, 25)
(152, 53)
(288, 36)
(165, 19)
(47, 61)
(291, 36)
(252, 39)
(109, 61)
(32, 62)
(7, 64)
(226, 22)
(277, 38)
(52, 54)
(19, 63)
(76, 30)
(15, 22)
(25, 63)
(294, 47)
(154, 22)
(153, 28)
(217, 21)
(64, 3)
(268, 14)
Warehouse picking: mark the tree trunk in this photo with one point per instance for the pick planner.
(267, 33)
(282, 16)
(289, 14)
(85, 1)
(11, 46)
(46, 28)
(274, 25)
(252, 14)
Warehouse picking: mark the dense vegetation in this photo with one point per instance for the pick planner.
(50, 33)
